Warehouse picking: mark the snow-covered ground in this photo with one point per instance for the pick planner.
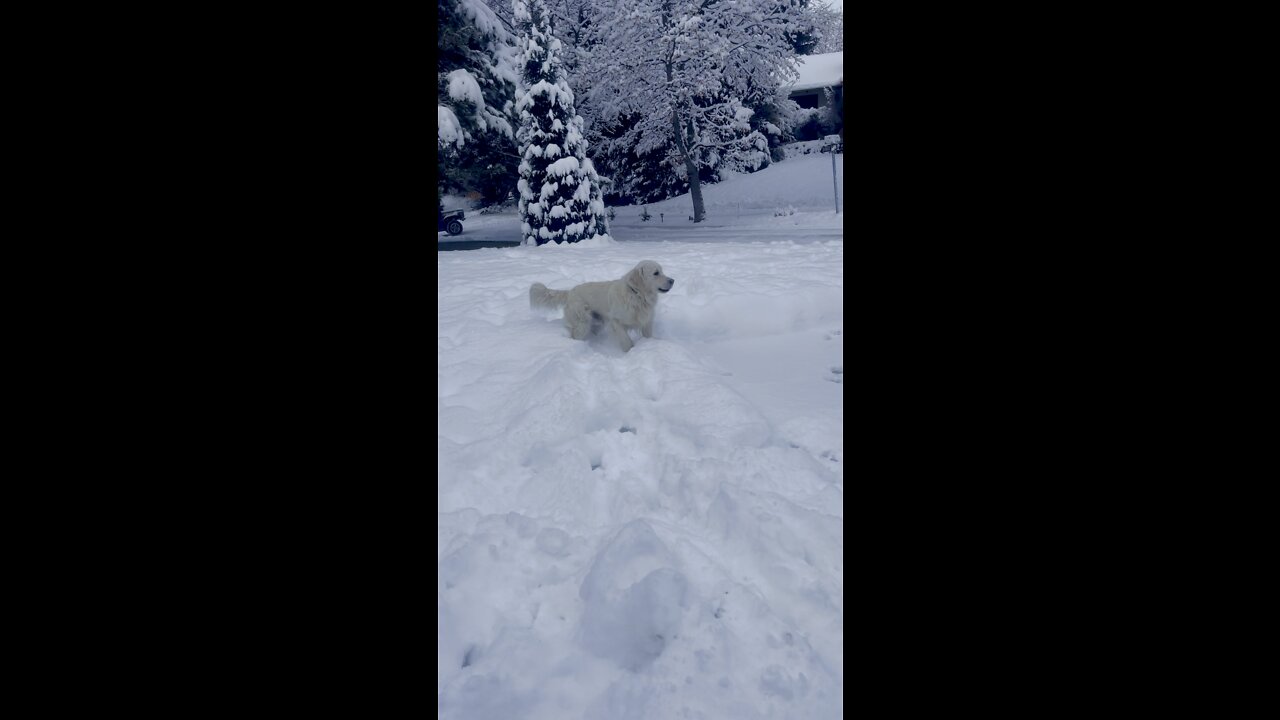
(742, 207)
(655, 534)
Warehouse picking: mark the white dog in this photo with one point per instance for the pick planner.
(619, 305)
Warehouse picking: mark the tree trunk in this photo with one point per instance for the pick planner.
(695, 182)
(690, 167)
(695, 189)
(682, 146)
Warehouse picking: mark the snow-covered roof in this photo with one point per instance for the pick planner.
(819, 71)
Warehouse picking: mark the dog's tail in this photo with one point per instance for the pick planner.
(540, 296)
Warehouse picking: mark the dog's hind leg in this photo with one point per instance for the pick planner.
(578, 329)
(578, 319)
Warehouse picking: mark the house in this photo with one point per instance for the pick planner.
(817, 73)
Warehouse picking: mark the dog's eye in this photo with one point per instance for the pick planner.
(655, 272)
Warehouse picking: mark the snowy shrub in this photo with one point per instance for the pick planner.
(505, 205)
(788, 210)
(774, 119)
(809, 123)
(612, 214)
(829, 116)
(644, 214)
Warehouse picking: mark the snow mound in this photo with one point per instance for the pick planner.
(633, 599)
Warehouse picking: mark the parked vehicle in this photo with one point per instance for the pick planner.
(451, 221)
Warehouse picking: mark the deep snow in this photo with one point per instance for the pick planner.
(655, 534)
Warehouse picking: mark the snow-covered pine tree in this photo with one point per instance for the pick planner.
(475, 91)
(559, 190)
(560, 197)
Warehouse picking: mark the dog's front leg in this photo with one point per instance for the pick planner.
(647, 329)
(621, 334)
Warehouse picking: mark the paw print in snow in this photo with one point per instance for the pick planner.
(833, 334)
(837, 375)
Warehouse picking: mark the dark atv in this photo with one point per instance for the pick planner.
(451, 221)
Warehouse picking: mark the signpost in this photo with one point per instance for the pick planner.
(834, 189)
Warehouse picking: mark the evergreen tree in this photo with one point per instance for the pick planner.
(475, 96)
(560, 194)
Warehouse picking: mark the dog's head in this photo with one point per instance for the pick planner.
(647, 278)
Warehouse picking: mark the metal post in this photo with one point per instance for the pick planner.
(834, 191)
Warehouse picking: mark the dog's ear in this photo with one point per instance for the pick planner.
(635, 278)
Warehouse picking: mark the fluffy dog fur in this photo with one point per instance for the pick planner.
(618, 305)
